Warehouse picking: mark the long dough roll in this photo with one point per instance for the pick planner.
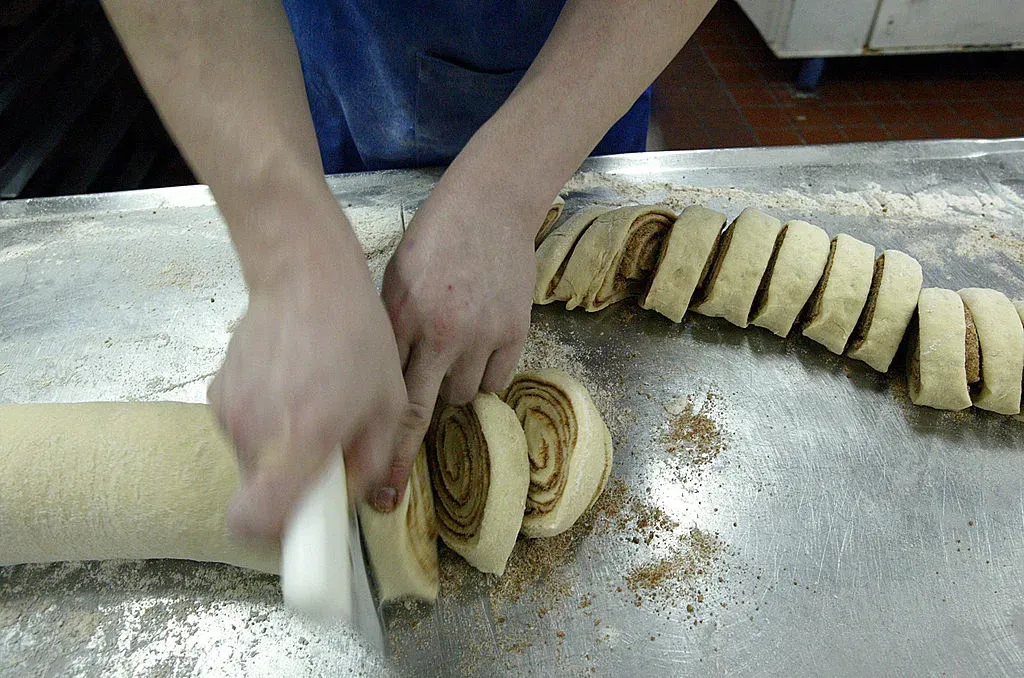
(402, 545)
(554, 253)
(842, 293)
(735, 277)
(890, 306)
(1001, 339)
(480, 471)
(685, 257)
(569, 447)
(937, 359)
(614, 257)
(94, 481)
(793, 273)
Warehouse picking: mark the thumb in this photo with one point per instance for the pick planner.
(423, 379)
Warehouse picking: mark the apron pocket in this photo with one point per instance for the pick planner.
(452, 102)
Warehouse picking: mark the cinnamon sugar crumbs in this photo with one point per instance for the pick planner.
(673, 576)
(693, 430)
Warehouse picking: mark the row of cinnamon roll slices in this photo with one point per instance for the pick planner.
(527, 461)
(964, 348)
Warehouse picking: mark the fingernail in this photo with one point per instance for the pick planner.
(385, 498)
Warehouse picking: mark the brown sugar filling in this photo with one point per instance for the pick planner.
(713, 265)
(813, 307)
(973, 351)
(863, 326)
(766, 280)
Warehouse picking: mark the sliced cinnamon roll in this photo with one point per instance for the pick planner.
(554, 253)
(402, 545)
(939, 351)
(1001, 345)
(480, 472)
(614, 257)
(550, 219)
(569, 445)
(891, 302)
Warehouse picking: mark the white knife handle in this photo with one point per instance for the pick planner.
(316, 570)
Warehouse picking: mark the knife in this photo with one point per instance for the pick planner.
(323, 572)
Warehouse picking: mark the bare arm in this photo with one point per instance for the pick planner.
(460, 286)
(300, 378)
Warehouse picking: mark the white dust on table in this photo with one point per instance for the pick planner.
(379, 230)
(989, 222)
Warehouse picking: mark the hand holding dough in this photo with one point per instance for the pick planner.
(480, 471)
(569, 446)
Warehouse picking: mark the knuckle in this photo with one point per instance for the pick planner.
(417, 416)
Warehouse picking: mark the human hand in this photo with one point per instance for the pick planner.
(458, 291)
(313, 365)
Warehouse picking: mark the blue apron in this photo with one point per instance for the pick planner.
(406, 83)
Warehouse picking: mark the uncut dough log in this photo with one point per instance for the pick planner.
(569, 446)
(402, 545)
(791, 277)
(553, 254)
(614, 257)
(1001, 340)
(887, 313)
(842, 293)
(684, 261)
(936, 361)
(550, 219)
(735, 277)
(94, 481)
(480, 472)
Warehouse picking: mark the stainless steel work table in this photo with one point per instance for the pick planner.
(826, 526)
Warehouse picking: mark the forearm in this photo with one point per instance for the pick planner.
(225, 77)
(601, 55)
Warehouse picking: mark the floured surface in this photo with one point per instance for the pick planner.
(772, 509)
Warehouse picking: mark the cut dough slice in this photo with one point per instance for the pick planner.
(937, 356)
(685, 257)
(793, 272)
(402, 545)
(550, 219)
(614, 257)
(554, 253)
(94, 481)
(739, 266)
(566, 437)
(1001, 340)
(1020, 311)
(837, 303)
(480, 471)
(894, 290)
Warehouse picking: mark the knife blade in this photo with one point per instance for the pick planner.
(323, 573)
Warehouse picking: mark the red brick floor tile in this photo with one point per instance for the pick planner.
(955, 90)
(838, 93)
(1009, 108)
(850, 114)
(953, 130)
(931, 111)
(752, 95)
(724, 137)
(999, 88)
(1000, 129)
(808, 114)
(765, 116)
(707, 96)
(778, 136)
(972, 110)
(906, 131)
(865, 133)
(893, 112)
(825, 134)
(918, 90)
(717, 118)
(877, 90)
(738, 73)
(718, 54)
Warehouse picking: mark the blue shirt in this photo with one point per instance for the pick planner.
(406, 83)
